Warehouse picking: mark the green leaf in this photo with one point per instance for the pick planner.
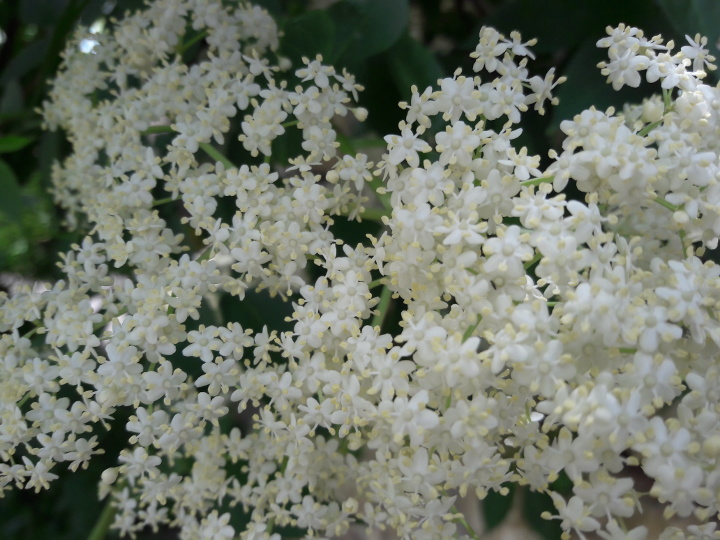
(534, 505)
(307, 35)
(26, 60)
(578, 20)
(288, 145)
(412, 64)
(12, 101)
(274, 7)
(11, 200)
(41, 12)
(256, 310)
(527, 16)
(366, 27)
(48, 152)
(694, 16)
(354, 233)
(64, 26)
(380, 96)
(496, 507)
(99, 9)
(13, 143)
(292, 532)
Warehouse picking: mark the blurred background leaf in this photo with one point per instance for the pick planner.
(365, 28)
(496, 507)
(307, 35)
(694, 16)
(11, 201)
(13, 143)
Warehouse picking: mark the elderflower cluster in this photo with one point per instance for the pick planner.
(538, 335)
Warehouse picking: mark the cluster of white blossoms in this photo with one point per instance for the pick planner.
(538, 335)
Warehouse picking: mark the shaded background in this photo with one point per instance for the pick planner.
(390, 45)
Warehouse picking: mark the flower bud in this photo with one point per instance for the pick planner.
(711, 446)
(109, 476)
(652, 111)
(360, 113)
(350, 506)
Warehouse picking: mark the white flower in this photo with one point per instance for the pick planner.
(651, 326)
(215, 527)
(457, 144)
(405, 147)
(624, 69)
(574, 514)
(492, 45)
(697, 52)
(469, 230)
(607, 495)
(218, 376)
(428, 185)
(39, 472)
(409, 417)
(506, 253)
(615, 532)
(457, 96)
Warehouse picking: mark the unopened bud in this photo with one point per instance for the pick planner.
(652, 111)
(109, 476)
(360, 113)
(350, 506)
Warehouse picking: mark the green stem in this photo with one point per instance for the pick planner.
(284, 464)
(379, 317)
(667, 100)
(163, 201)
(647, 129)
(205, 255)
(377, 283)
(344, 444)
(152, 130)
(673, 208)
(281, 471)
(470, 329)
(532, 261)
(31, 332)
(378, 185)
(104, 521)
(374, 214)
(538, 181)
(102, 324)
(669, 206)
(190, 42)
(465, 524)
(290, 123)
(214, 153)
(23, 400)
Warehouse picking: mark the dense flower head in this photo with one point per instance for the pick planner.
(538, 335)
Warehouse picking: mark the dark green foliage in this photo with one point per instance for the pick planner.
(496, 507)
